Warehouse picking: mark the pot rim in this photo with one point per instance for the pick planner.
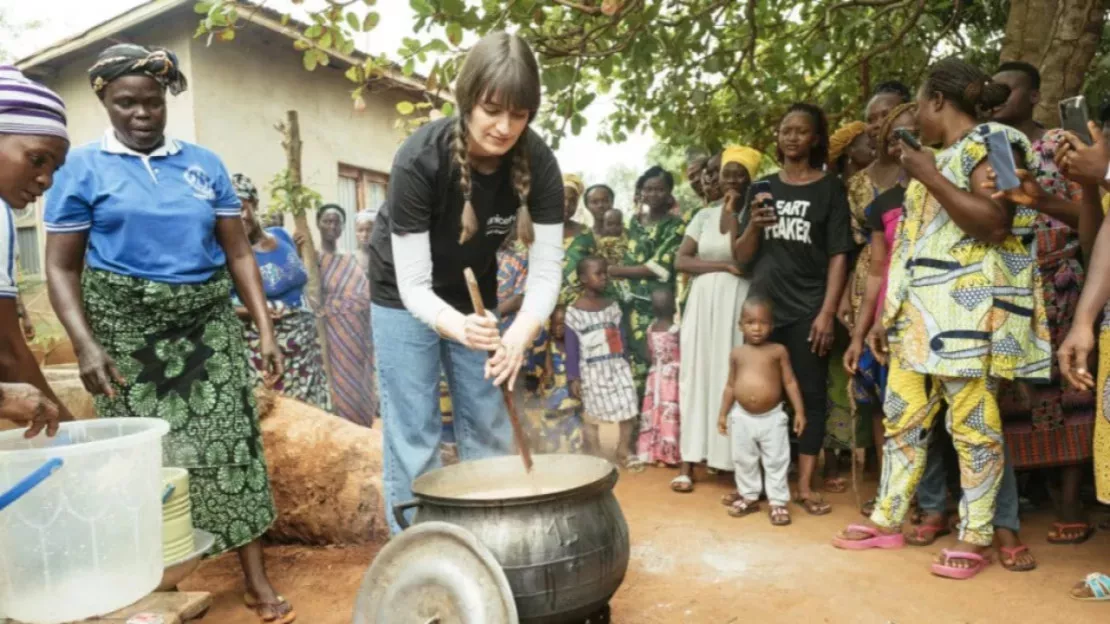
(602, 484)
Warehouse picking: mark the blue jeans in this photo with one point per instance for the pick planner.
(409, 357)
(932, 492)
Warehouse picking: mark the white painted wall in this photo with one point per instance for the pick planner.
(247, 86)
(237, 92)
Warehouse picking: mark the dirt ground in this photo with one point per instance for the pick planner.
(693, 563)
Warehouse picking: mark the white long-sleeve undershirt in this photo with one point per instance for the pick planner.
(412, 262)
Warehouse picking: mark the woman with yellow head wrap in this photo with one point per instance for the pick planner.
(748, 157)
(850, 149)
(709, 331)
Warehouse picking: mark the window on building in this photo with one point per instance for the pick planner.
(30, 264)
(359, 190)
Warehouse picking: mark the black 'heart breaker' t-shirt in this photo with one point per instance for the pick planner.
(792, 264)
(424, 196)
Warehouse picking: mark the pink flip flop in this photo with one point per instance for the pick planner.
(877, 539)
(960, 574)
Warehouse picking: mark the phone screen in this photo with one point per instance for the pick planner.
(762, 186)
(1001, 157)
(908, 138)
(1073, 117)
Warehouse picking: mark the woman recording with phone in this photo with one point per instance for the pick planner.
(795, 238)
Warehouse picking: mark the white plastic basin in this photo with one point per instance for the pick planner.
(88, 540)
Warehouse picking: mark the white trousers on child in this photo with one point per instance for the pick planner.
(761, 437)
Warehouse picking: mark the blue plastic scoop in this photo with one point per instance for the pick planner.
(29, 482)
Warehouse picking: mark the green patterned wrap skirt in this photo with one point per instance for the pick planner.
(181, 350)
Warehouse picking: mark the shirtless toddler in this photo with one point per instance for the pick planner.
(752, 413)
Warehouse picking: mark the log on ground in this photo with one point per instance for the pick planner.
(326, 474)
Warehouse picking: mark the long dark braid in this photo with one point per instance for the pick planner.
(468, 225)
(522, 182)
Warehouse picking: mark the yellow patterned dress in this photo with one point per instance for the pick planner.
(1102, 424)
(861, 192)
(956, 306)
(1102, 388)
(961, 314)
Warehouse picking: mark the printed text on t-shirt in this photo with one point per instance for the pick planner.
(792, 225)
(499, 226)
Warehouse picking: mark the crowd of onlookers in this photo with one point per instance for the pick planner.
(875, 294)
(886, 293)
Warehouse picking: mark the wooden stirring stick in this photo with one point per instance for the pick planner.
(518, 431)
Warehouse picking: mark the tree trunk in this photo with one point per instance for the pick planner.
(1060, 38)
(292, 144)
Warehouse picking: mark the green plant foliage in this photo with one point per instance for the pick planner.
(695, 72)
(287, 196)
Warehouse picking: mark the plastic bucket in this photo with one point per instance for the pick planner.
(88, 540)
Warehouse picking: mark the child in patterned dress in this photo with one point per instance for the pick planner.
(659, 420)
(597, 364)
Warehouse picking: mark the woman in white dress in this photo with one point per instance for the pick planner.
(709, 321)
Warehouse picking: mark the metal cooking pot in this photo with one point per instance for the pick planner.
(557, 532)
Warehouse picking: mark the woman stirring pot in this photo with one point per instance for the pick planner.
(457, 187)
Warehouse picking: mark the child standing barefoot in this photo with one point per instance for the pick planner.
(659, 421)
(752, 415)
(597, 363)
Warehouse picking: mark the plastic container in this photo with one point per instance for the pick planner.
(87, 541)
(177, 518)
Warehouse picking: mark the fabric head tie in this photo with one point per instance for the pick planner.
(244, 188)
(128, 59)
(843, 137)
(575, 182)
(748, 157)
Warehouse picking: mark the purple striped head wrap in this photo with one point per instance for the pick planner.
(27, 107)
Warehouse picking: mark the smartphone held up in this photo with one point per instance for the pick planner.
(763, 213)
(1000, 155)
(907, 137)
(762, 187)
(1074, 118)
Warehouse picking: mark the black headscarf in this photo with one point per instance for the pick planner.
(128, 59)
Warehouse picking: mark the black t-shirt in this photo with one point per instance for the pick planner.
(424, 196)
(793, 259)
(891, 199)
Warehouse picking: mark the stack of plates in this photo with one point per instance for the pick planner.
(177, 516)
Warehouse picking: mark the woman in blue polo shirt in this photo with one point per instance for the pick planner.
(143, 245)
